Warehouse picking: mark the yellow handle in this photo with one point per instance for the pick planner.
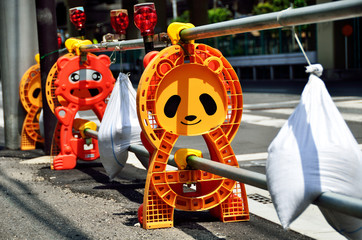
(73, 44)
(37, 58)
(182, 154)
(83, 124)
(174, 30)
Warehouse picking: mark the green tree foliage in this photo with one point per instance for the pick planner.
(215, 15)
(263, 8)
(276, 5)
(184, 17)
(219, 15)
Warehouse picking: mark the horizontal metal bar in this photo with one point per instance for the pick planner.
(238, 174)
(140, 150)
(160, 40)
(290, 17)
(337, 202)
(340, 203)
(137, 149)
(90, 133)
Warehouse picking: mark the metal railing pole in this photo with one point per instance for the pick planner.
(238, 174)
(91, 133)
(121, 45)
(290, 17)
(140, 150)
(340, 203)
(137, 149)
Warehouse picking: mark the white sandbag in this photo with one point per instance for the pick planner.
(119, 127)
(315, 152)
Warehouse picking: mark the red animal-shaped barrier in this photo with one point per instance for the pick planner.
(79, 86)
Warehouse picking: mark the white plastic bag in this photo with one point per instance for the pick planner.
(119, 127)
(315, 152)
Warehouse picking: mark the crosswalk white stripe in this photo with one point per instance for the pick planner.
(263, 121)
(352, 104)
(293, 103)
(278, 122)
(259, 156)
(286, 111)
(357, 104)
(353, 117)
(251, 156)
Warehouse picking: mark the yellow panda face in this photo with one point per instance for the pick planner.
(190, 100)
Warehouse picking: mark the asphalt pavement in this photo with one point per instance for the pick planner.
(39, 203)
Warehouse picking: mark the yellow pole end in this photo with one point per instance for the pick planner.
(174, 30)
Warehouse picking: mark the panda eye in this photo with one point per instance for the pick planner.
(74, 77)
(96, 76)
(209, 104)
(172, 105)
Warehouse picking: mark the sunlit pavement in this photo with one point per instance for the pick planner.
(113, 205)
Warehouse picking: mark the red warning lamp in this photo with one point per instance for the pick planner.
(77, 17)
(59, 41)
(120, 21)
(145, 18)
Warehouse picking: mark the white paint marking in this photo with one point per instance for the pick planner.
(251, 156)
(350, 104)
(351, 117)
(262, 120)
(259, 156)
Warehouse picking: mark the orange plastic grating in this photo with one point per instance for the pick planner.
(31, 99)
(189, 72)
(235, 208)
(158, 214)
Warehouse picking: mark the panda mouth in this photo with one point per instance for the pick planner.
(190, 123)
(94, 92)
(85, 93)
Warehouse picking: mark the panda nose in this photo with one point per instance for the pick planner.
(190, 117)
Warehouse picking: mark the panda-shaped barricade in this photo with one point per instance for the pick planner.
(189, 90)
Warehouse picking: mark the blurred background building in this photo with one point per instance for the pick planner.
(258, 55)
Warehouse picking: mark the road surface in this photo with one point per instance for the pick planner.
(38, 203)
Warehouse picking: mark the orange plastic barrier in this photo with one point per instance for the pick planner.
(189, 89)
(31, 99)
(73, 86)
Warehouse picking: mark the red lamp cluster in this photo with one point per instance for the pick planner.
(119, 20)
(77, 17)
(145, 18)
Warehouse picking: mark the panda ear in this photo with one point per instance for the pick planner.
(214, 64)
(105, 60)
(148, 57)
(61, 62)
